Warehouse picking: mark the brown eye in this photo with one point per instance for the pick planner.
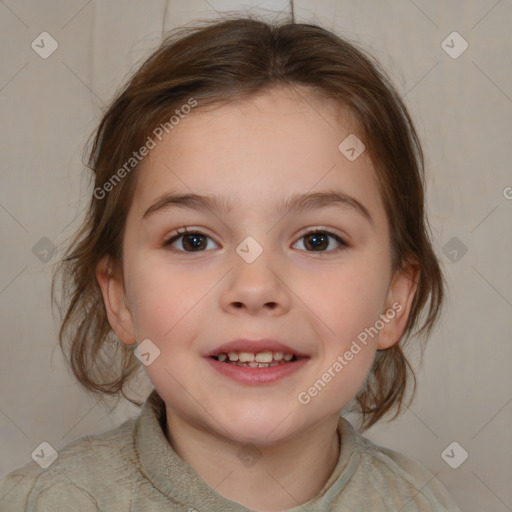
(192, 241)
(318, 240)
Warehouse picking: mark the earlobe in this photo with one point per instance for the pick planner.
(398, 305)
(118, 314)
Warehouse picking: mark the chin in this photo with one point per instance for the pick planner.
(254, 426)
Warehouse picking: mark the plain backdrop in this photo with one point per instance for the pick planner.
(462, 107)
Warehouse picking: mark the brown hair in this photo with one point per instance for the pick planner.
(218, 62)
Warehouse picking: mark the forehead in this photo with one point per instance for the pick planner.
(258, 151)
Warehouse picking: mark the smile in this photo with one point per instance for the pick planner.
(257, 368)
(262, 359)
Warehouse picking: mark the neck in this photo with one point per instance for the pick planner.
(265, 478)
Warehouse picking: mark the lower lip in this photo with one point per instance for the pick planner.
(257, 376)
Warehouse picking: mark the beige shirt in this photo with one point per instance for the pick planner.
(134, 468)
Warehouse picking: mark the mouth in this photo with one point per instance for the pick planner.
(256, 353)
(256, 362)
(263, 359)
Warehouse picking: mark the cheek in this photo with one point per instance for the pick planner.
(167, 308)
(340, 375)
(351, 298)
(346, 373)
(163, 298)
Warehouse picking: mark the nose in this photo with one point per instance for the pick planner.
(256, 287)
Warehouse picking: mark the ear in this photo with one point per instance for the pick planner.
(398, 305)
(112, 288)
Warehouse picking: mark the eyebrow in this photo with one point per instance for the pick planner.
(295, 203)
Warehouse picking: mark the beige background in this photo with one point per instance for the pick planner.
(463, 111)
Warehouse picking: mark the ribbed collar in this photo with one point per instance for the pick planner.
(174, 477)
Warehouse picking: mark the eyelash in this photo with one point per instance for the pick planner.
(183, 231)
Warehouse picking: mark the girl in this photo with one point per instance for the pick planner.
(256, 238)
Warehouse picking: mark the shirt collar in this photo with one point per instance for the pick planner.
(175, 478)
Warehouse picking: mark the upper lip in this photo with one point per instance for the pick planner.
(254, 346)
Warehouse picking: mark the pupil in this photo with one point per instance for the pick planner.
(320, 238)
(317, 240)
(196, 244)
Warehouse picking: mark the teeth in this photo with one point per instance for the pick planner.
(261, 359)
(264, 357)
(254, 364)
(245, 357)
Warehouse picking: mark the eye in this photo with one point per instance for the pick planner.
(318, 239)
(193, 240)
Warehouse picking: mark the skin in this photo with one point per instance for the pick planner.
(257, 152)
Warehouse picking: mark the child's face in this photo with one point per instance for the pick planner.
(257, 154)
